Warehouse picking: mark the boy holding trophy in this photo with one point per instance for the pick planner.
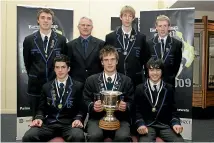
(107, 85)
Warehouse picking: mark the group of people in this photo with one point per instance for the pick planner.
(64, 80)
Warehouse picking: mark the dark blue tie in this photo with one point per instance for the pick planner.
(109, 80)
(85, 45)
(109, 84)
(155, 93)
(61, 88)
(162, 43)
(126, 39)
(45, 42)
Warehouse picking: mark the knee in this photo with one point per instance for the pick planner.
(95, 137)
(122, 138)
(77, 136)
(179, 139)
(145, 139)
(28, 137)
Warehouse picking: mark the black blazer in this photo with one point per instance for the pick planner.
(72, 103)
(137, 56)
(166, 111)
(172, 56)
(83, 66)
(95, 84)
(40, 69)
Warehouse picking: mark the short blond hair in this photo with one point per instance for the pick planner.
(127, 9)
(163, 18)
(107, 50)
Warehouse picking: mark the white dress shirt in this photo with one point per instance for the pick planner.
(43, 36)
(152, 85)
(64, 82)
(112, 77)
(164, 39)
(129, 33)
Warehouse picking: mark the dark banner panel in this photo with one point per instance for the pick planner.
(182, 28)
(26, 25)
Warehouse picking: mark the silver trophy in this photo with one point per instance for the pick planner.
(110, 104)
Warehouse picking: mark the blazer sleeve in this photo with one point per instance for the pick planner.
(145, 55)
(178, 57)
(138, 116)
(69, 53)
(109, 39)
(41, 112)
(81, 114)
(129, 97)
(64, 46)
(88, 95)
(175, 119)
(27, 54)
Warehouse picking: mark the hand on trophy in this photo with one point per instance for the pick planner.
(77, 124)
(142, 130)
(122, 106)
(98, 107)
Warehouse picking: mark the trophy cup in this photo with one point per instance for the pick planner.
(110, 103)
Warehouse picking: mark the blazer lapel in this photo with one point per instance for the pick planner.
(119, 34)
(39, 44)
(91, 46)
(52, 43)
(118, 83)
(162, 98)
(168, 47)
(79, 47)
(69, 91)
(53, 93)
(100, 84)
(132, 40)
(147, 94)
(157, 47)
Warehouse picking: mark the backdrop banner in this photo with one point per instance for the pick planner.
(26, 25)
(182, 28)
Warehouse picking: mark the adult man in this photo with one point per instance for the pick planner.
(166, 48)
(84, 52)
(109, 79)
(60, 111)
(39, 50)
(155, 107)
(131, 46)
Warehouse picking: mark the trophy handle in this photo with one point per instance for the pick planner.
(117, 105)
(122, 98)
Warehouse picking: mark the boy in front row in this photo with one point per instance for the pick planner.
(60, 111)
(155, 107)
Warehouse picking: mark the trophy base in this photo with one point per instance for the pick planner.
(112, 125)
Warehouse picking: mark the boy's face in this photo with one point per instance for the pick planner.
(45, 21)
(61, 69)
(155, 74)
(162, 28)
(109, 63)
(127, 19)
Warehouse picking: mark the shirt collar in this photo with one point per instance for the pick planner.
(152, 85)
(43, 35)
(129, 33)
(64, 82)
(164, 39)
(112, 77)
(88, 38)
